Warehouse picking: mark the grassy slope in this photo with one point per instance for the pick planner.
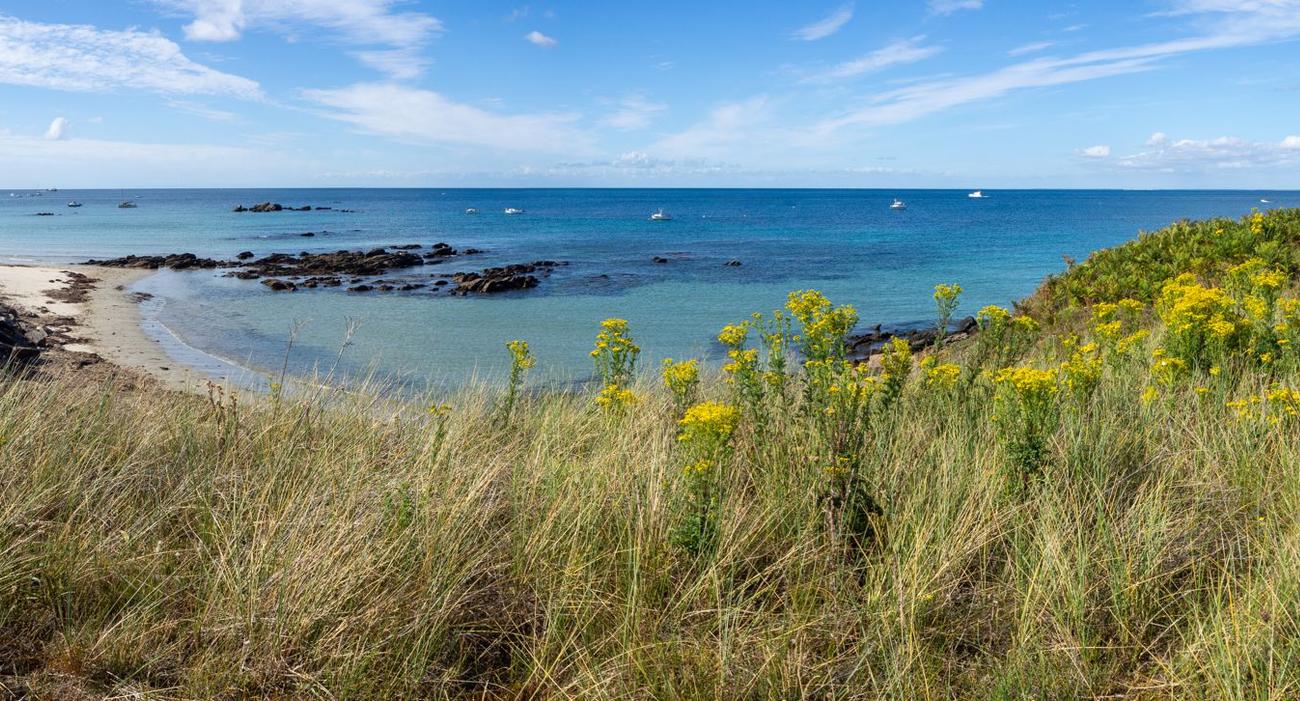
(179, 547)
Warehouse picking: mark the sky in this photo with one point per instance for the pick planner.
(669, 93)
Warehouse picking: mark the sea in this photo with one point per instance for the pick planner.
(847, 243)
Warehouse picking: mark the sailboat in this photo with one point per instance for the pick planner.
(660, 216)
(897, 204)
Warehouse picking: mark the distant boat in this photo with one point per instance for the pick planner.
(53, 189)
(513, 210)
(977, 195)
(128, 205)
(660, 216)
(898, 204)
(74, 203)
(471, 210)
(1264, 202)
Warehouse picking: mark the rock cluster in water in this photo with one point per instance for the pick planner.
(359, 271)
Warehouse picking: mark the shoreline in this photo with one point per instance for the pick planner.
(90, 316)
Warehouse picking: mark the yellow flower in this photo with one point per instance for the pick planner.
(942, 376)
(1215, 370)
(681, 377)
(1149, 394)
(616, 398)
(709, 421)
(1028, 382)
(520, 356)
(733, 335)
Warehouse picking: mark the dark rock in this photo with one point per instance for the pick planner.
(732, 264)
(45, 214)
(407, 247)
(240, 208)
(472, 251)
(308, 234)
(177, 261)
(865, 345)
(360, 288)
(266, 207)
(659, 259)
(244, 255)
(280, 285)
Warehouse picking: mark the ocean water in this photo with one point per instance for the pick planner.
(847, 243)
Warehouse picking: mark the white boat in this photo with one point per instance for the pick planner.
(471, 210)
(660, 216)
(74, 203)
(514, 210)
(977, 195)
(898, 204)
(128, 205)
(1264, 201)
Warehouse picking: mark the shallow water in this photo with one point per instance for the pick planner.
(847, 243)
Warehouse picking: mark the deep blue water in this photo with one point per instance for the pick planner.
(847, 243)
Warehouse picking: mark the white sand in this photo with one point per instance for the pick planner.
(109, 320)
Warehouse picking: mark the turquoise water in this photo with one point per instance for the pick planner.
(847, 243)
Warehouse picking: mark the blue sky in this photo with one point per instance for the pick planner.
(914, 93)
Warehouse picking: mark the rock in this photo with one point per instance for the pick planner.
(865, 345)
(244, 255)
(45, 214)
(659, 259)
(511, 277)
(732, 263)
(360, 288)
(266, 207)
(280, 285)
(176, 261)
(472, 251)
(308, 234)
(407, 247)
(240, 208)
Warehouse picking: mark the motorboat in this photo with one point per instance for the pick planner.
(898, 204)
(977, 195)
(74, 203)
(128, 205)
(514, 210)
(471, 210)
(660, 216)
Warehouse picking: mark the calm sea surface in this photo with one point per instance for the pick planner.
(847, 243)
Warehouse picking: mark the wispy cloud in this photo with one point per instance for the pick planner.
(87, 59)
(199, 109)
(425, 117)
(1031, 48)
(633, 112)
(726, 125)
(1276, 20)
(1164, 154)
(826, 26)
(947, 7)
(540, 39)
(898, 53)
(58, 129)
(358, 22)
(1099, 151)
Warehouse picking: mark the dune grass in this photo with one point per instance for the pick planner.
(1054, 509)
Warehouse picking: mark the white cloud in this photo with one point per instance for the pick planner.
(518, 13)
(726, 125)
(401, 64)
(540, 39)
(1222, 153)
(426, 117)
(947, 7)
(898, 53)
(87, 59)
(826, 26)
(201, 110)
(1030, 48)
(634, 112)
(58, 129)
(1157, 139)
(1244, 28)
(357, 22)
(1099, 151)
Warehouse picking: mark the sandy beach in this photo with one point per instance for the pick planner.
(101, 318)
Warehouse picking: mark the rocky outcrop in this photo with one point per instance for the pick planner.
(511, 277)
(865, 345)
(176, 261)
(15, 344)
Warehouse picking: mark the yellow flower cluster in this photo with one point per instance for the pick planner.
(824, 327)
(681, 377)
(520, 357)
(614, 397)
(1028, 383)
(992, 315)
(1187, 306)
(946, 294)
(941, 376)
(613, 338)
(699, 468)
(1166, 368)
(733, 335)
(1082, 372)
(1272, 407)
(709, 422)
(807, 305)
(895, 364)
(1257, 223)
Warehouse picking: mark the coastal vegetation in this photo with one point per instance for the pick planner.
(1094, 495)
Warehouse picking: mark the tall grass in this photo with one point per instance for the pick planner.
(189, 547)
